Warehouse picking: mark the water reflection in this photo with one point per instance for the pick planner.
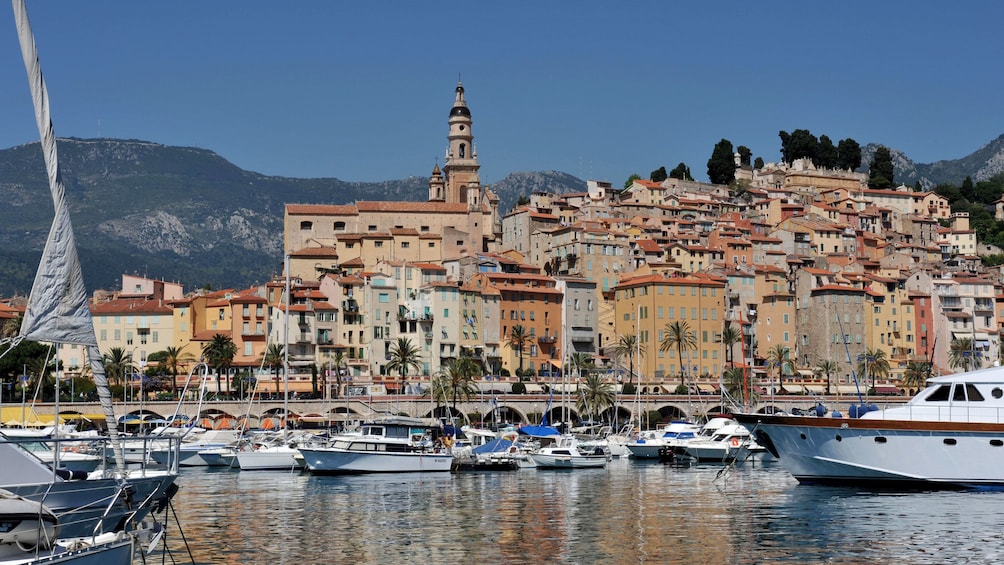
(629, 512)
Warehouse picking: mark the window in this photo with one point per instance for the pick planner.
(377, 244)
(306, 226)
(339, 226)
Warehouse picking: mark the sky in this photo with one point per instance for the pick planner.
(361, 91)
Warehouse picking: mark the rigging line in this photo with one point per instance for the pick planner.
(847, 349)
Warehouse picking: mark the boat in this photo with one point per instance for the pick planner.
(728, 443)
(950, 434)
(394, 444)
(190, 453)
(649, 444)
(30, 534)
(565, 454)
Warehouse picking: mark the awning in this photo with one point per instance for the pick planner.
(887, 390)
(709, 389)
(805, 372)
(565, 388)
(532, 388)
(813, 389)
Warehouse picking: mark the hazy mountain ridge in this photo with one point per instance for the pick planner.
(186, 214)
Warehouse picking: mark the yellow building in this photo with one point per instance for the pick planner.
(645, 305)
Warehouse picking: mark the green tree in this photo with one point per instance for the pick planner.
(848, 154)
(219, 353)
(595, 396)
(722, 164)
(517, 339)
(758, 163)
(117, 363)
(174, 358)
(880, 170)
(456, 380)
(916, 374)
(338, 363)
(404, 356)
(627, 347)
(963, 355)
(734, 381)
(874, 364)
(580, 362)
(275, 359)
(779, 357)
(801, 144)
(730, 337)
(677, 335)
(659, 174)
(523, 200)
(630, 180)
(968, 189)
(745, 155)
(682, 172)
(827, 368)
(827, 155)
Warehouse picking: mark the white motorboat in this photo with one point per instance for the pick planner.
(190, 453)
(649, 444)
(565, 454)
(394, 444)
(272, 451)
(949, 434)
(729, 443)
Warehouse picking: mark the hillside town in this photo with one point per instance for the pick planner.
(796, 275)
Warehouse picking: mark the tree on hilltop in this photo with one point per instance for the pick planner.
(722, 165)
(682, 172)
(826, 154)
(880, 170)
(658, 175)
(848, 154)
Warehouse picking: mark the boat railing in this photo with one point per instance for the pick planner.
(961, 412)
(98, 446)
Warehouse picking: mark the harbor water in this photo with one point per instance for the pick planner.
(629, 512)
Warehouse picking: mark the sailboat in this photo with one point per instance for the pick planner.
(111, 500)
(278, 453)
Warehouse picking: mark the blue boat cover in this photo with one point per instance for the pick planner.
(539, 431)
(494, 446)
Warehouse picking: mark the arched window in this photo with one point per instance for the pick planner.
(339, 226)
(463, 150)
(306, 226)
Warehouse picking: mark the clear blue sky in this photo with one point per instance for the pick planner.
(362, 90)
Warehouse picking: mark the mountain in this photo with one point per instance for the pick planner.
(985, 162)
(177, 213)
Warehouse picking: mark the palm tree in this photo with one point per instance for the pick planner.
(275, 359)
(827, 368)
(730, 337)
(963, 355)
(733, 379)
(874, 364)
(116, 363)
(677, 335)
(580, 362)
(173, 357)
(517, 339)
(595, 396)
(404, 356)
(916, 374)
(456, 379)
(338, 361)
(219, 354)
(627, 346)
(779, 357)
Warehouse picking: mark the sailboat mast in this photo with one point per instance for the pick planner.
(285, 355)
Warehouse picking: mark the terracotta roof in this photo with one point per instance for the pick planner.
(322, 209)
(131, 306)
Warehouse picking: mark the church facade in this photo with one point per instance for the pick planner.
(460, 217)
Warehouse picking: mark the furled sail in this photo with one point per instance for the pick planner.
(57, 308)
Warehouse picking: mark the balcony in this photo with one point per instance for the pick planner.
(350, 305)
(428, 336)
(547, 339)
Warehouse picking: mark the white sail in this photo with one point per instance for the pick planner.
(57, 307)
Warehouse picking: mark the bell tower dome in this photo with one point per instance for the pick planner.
(461, 167)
